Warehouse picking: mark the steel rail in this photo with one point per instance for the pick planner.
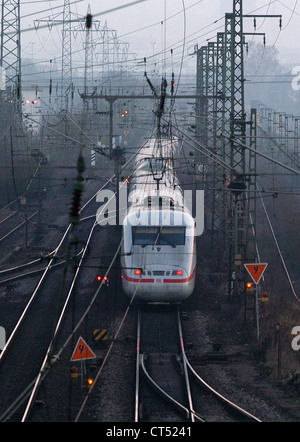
(57, 328)
(21, 266)
(137, 372)
(36, 291)
(35, 261)
(52, 359)
(18, 226)
(33, 272)
(9, 216)
(220, 397)
(32, 298)
(44, 369)
(187, 382)
(189, 412)
(162, 392)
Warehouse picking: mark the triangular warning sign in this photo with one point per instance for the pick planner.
(82, 351)
(256, 271)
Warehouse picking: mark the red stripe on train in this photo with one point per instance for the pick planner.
(166, 281)
(128, 278)
(180, 281)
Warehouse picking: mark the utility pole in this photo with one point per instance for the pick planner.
(220, 110)
(119, 159)
(111, 99)
(10, 60)
(237, 213)
(66, 71)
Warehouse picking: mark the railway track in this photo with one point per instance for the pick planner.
(7, 229)
(36, 330)
(164, 388)
(29, 352)
(14, 211)
(30, 343)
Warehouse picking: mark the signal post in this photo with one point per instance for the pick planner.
(256, 272)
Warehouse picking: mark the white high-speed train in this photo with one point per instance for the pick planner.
(159, 249)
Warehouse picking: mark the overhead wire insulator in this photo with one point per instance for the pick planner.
(88, 21)
(80, 165)
(164, 86)
(173, 84)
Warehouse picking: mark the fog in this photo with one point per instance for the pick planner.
(140, 24)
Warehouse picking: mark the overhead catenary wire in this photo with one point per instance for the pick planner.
(50, 359)
(208, 153)
(98, 14)
(279, 249)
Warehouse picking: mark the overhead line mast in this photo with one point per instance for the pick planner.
(220, 109)
(66, 74)
(11, 52)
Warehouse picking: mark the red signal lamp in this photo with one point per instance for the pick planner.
(99, 278)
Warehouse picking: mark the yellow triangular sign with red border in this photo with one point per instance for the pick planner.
(256, 271)
(82, 351)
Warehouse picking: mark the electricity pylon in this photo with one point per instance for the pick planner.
(66, 79)
(11, 52)
(221, 124)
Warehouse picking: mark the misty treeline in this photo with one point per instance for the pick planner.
(268, 81)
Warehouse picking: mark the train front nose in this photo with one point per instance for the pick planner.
(157, 285)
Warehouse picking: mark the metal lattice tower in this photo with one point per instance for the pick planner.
(221, 111)
(66, 79)
(11, 51)
(238, 206)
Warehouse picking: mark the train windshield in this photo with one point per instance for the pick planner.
(161, 236)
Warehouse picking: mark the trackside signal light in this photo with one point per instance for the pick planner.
(249, 287)
(74, 372)
(104, 278)
(265, 297)
(90, 383)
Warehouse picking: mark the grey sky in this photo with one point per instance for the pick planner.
(200, 18)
